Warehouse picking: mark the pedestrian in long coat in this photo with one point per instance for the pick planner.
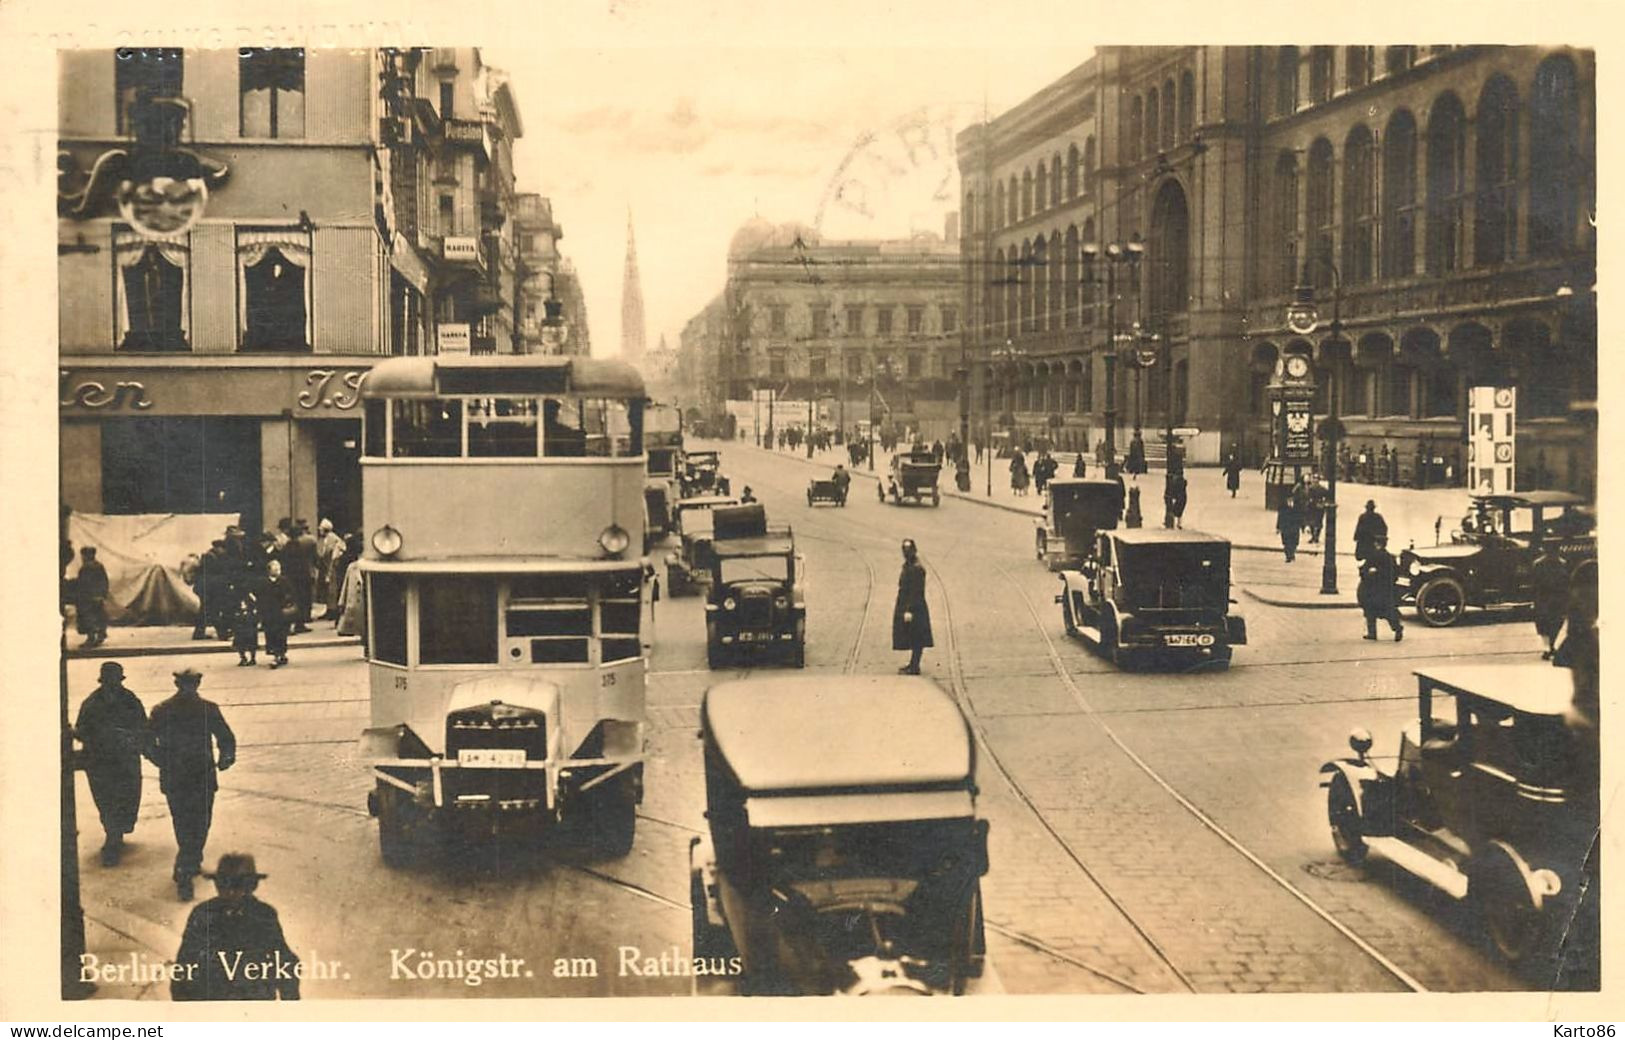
(277, 612)
(182, 737)
(1378, 594)
(329, 547)
(1289, 522)
(229, 931)
(1174, 498)
(112, 726)
(1550, 578)
(911, 617)
(1232, 474)
(1018, 474)
(1368, 529)
(245, 631)
(1315, 500)
(1135, 463)
(90, 591)
(1080, 468)
(299, 571)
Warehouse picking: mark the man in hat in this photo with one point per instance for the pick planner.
(90, 598)
(1370, 527)
(233, 947)
(911, 617)
(1378, 593)
(299, 567)
(112, 726)
(182, 736)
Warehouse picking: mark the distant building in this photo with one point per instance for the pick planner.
(1448, 190)
(633, 327)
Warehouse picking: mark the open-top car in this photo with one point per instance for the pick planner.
(689, 565)
(1152, 595)
(1490, 558)
(827, 490)
(1490, 798)
(913, 477)
(756, 600)
(844, 854)
(702, 474)
(1076, 510)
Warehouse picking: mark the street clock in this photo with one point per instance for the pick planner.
(1297, 366)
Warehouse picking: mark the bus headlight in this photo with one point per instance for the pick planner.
(386, 541)
(729, 603)
(614, 540)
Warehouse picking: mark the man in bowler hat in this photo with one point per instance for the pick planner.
(112, 726)
(911, 618)
(233, 947)
(182, 736)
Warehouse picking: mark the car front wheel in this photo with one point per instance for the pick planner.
(1441, 601)
(1500, 887)
(1343, 813)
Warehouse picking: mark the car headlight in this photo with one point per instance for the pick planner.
(614, 540)
(386, 541)
(1412, 566)
(781, 603)
(729, 603)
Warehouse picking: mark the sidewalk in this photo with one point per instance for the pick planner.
(1410, 513)
(153, 640)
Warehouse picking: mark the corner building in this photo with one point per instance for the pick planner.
(1439, 197)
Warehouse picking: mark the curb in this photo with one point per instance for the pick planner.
(1330, 604)
(210, 646)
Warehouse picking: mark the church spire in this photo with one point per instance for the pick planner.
(632, 323)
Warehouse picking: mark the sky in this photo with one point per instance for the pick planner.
(692, 142)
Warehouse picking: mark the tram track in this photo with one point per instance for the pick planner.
(1098, 719)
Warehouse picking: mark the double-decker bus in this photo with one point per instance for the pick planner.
(502, 498)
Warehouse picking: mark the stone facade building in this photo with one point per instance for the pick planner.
(1165, 201)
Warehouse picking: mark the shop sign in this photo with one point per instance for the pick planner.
(463, 250)
(330, 388)
(90, 393)
(453, 338)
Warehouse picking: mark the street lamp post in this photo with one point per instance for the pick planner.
(1302, 317)
(1002, 360)
(1117, 254)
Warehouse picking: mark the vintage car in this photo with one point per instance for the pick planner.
(701, 474)
(913, 477)
(662, 484)
(1075, 512)
(689, 565)
(827, 490)
(757, 598)
(844, 853)
(1492, 798)
(1151, 595)
(1490, 557)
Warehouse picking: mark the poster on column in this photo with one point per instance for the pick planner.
(1492, 413)
(1298, 444)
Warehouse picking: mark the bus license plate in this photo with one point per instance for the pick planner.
(1187, 639)
(495, 758)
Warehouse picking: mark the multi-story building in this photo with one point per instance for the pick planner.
(701, 372)
(1165, 202)
(216, 369)
(816, 319)
(542, 271)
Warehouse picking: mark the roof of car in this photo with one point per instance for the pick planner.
(1534, 688)
(1533, 498)
(707, 501)
(1082, 482)
(809, 732)
(1164, 536)
(769, 545)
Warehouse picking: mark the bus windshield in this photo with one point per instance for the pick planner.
(521, 426)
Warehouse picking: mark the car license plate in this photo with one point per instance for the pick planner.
(1187, 639)
(493, 758)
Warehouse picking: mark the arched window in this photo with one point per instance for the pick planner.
(1320, 74)
(1399, 196)
(996, 277)
(1069, 279)
(1187, 106)
(1024, 274)
(1286, 221)
(1089, 164)
(1013, 274)
(1166, 140)
(1358, 66)
(1087, 271)
(1041, 182)
(1136, 127)
(1072, 171)
(1026, 194)
(998, 206)
(1554, 157)
(1286, 80)
(1398, 59)
(1058, 310)
(1015, 200)
(1040, 279)
(1447, 183)
(1153, 121)
(1322, 216)
(1495, 210)
(1359, 207)
(1168, 254)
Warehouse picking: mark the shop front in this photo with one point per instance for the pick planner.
(265, 438)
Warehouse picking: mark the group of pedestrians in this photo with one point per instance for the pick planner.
(1303, 509)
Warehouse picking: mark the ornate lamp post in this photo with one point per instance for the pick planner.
(1303, 317)
(1126, 255)
(1002, 359)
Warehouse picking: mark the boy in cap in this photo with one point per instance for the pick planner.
(112, 726)
(231, 931)
(182, 736)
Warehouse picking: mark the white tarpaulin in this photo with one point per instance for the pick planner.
(143, 555)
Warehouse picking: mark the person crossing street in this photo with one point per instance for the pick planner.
(112, 726)
(1378, 593)
(183, 735)
(911, 617)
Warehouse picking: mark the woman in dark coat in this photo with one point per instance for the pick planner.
(276, 613)
(911, 618)
(1232, 474)
(90, 598)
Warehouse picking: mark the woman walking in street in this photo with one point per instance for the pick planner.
(1232, 474)
(1018, 474)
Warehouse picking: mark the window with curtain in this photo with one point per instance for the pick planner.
(1446, 184)
(1359, 207)
(1399, 196)
(1555, 157)
(143, 72)
(151, 283)
(274, 289)
(1495, 210)
(271, 91)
